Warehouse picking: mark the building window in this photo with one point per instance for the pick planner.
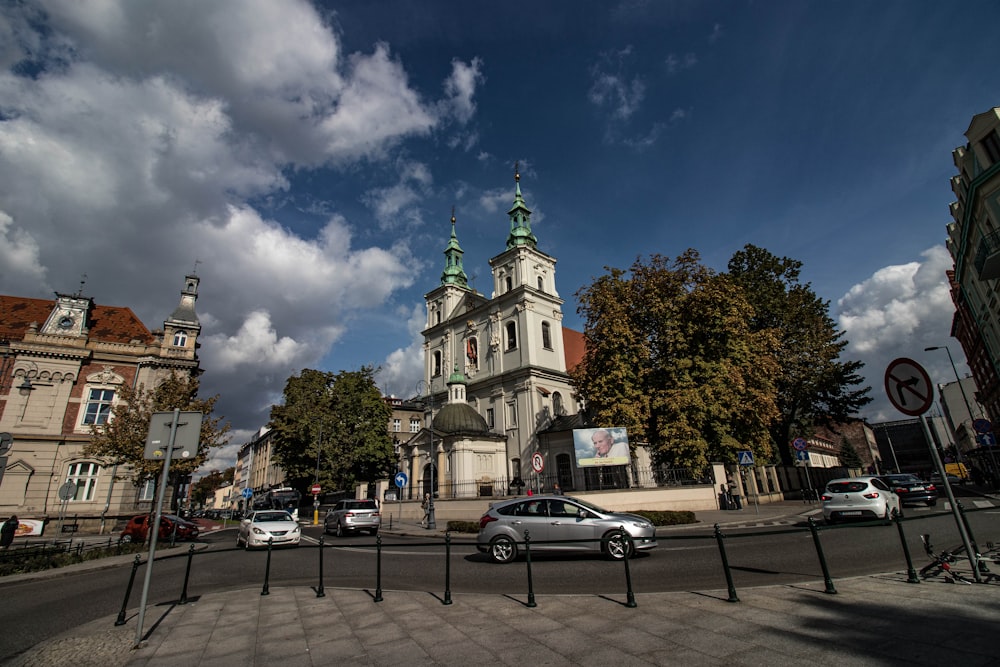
(540, 284)
(84, 477)
(414, 425)
(508, 283)
(992, 147)
(557, 404)
(490, 418)
(397, 425)
(99, 406)
(512, 415)
(511, 336)
(472, 351)
(546, 336)
(180, 339)
(147, 490)
(436, 370)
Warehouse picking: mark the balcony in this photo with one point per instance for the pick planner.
(988, 257)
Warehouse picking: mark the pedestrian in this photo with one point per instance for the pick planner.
(426, 504)
(557, 490)
(7, 532)
(734, 493)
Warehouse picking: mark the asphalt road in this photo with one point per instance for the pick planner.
(684, 560)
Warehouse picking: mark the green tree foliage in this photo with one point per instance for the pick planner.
(848, 455)
(206, 486)
(122, 441)
(669, 355)
(336, 423)
(815, 386)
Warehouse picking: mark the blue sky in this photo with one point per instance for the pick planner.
(308, 155)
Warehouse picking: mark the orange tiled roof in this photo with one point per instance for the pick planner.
(112, 324)
(574, 346)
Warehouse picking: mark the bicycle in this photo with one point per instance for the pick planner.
(940, 563)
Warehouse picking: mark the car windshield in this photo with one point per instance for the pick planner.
(846, 487)
(901, 479)
(272, 516)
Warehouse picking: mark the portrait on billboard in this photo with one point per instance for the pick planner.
(601, 446)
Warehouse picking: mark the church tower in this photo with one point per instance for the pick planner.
(181, 329)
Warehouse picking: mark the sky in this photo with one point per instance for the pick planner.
(304, 158)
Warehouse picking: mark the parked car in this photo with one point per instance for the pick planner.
(953, 480)
(137, 528)
(547, 518)
(863, 498)
(351, 515)
(911, 489)
(263, 527)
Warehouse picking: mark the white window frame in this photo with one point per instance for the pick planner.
(147, 492)
(105, 405)
(180, 339)
(84, 474)
(414, 426)
(397, 425)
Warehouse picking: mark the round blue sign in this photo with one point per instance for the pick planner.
(400, 479)
(982, 425)
(246, 493)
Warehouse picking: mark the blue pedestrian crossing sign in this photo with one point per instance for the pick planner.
(745, 457)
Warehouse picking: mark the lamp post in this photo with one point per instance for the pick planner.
(968, 407)
(422, 386)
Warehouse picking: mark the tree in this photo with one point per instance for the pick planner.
(122, 441)
(815, 387)
(207, 485)
(848, 455)
(670, 356)
(332, 429)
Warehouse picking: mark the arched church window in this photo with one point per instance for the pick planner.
(180, 339)
(436, 370)
(509, 283)
(546, 336)
(557, 404)
(540, 283)
(511, 336)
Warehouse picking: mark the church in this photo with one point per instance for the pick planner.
(499, 401)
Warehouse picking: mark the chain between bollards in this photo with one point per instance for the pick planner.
(187, 576)
(725, 565)
(128, 590)
(822, 559)
(378, 569)
(527, 560)
(267, 568)
(629, 546)
(320, 593)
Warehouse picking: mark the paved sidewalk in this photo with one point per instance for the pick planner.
(874, 620)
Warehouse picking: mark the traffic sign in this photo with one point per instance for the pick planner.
(908, 387)
(981, 426)
(986, 439)
(800, 444)
(537, 462)
(745, 457)
(400, 479)
(247, 493)
(315, 489)
(802, 455)
(67, 491)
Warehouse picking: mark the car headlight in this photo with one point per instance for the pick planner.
(258, 531)
(642, 524)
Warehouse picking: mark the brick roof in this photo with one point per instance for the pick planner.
(574, 346)
(112, 324)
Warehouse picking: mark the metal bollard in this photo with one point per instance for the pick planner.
(447, 567)
(911, 573)
(320, 593)
(267, 568)
(822, 559)
(128, 590)
(980, 564)
(378, 569)
(527, 559)
(187, 576)
(725, 565)
(629, 546)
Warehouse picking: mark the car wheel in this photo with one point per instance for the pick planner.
(126, 539)
(373, 532)
(617, 546)
(932, 503)
(340, 529)
(887, 517)
(830, 521)
(503, 549)
(237, 541)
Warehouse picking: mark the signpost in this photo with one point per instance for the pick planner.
(400, 480)
(538, 465)
(315, 490)
(909, 389)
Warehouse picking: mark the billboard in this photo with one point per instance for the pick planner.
(601, 446)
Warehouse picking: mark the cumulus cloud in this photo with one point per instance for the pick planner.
(612, 88)
(402, 365)
(897, 312)
(139, 137)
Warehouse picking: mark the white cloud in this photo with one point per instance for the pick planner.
(675, 63)
(460, 87)
(403, 368)
(20, 270)
(897, 312)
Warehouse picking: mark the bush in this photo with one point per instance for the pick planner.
(667, 517)
(46, 558)
(463, 526)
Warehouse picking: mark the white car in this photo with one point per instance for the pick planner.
(262, 527)
(866, 498)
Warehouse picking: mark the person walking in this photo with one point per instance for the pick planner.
(427, 511)
(557, 490)
(7, 532)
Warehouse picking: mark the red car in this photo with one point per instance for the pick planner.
(137, 528)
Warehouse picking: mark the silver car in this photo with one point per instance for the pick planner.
(352, 515)
(865, 498)
(560, 523)
(263, 527)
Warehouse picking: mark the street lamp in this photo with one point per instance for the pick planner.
(421, 388)
(958, 450)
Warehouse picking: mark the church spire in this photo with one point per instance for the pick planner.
(520, 218)
(453, 273)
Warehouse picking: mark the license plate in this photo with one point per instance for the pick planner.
(852, 513)
(917, 488)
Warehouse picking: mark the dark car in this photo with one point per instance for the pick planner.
(911, 489)
(137, 528)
